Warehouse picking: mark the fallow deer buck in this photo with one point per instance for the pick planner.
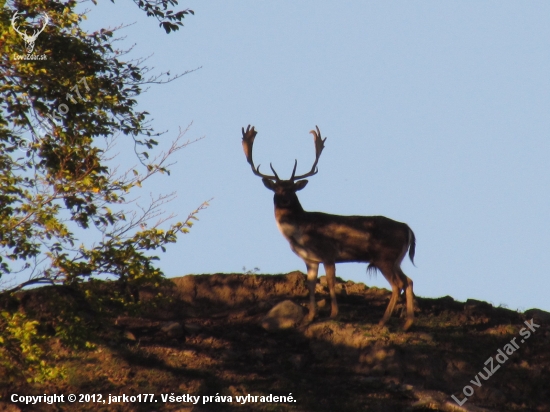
(329, 239)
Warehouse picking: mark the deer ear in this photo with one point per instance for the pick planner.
(300, 184)
(270, 184)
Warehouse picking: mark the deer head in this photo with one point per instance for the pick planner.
(29, 39)
(285, 190)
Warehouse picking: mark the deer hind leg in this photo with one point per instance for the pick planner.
(397, 286)
(330, 271)
(399, 281)
(391, 305)
(410, 299)
(312, 270)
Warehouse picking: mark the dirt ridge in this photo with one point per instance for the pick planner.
(208, 339)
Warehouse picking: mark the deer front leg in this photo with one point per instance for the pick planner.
(312, 270)
(330, 271)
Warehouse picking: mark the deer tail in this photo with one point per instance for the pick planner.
(412, 245)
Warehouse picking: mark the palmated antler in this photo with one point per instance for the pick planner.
(319, 146)
(248, 142)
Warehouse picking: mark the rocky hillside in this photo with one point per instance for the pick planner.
(225, 343)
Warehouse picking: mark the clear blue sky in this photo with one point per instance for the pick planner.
(437, 114)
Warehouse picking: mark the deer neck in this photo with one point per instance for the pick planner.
(288, 217)
(287, 205)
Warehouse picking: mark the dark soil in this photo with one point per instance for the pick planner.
(206, 340)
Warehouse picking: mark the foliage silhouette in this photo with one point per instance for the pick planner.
(66, 215)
